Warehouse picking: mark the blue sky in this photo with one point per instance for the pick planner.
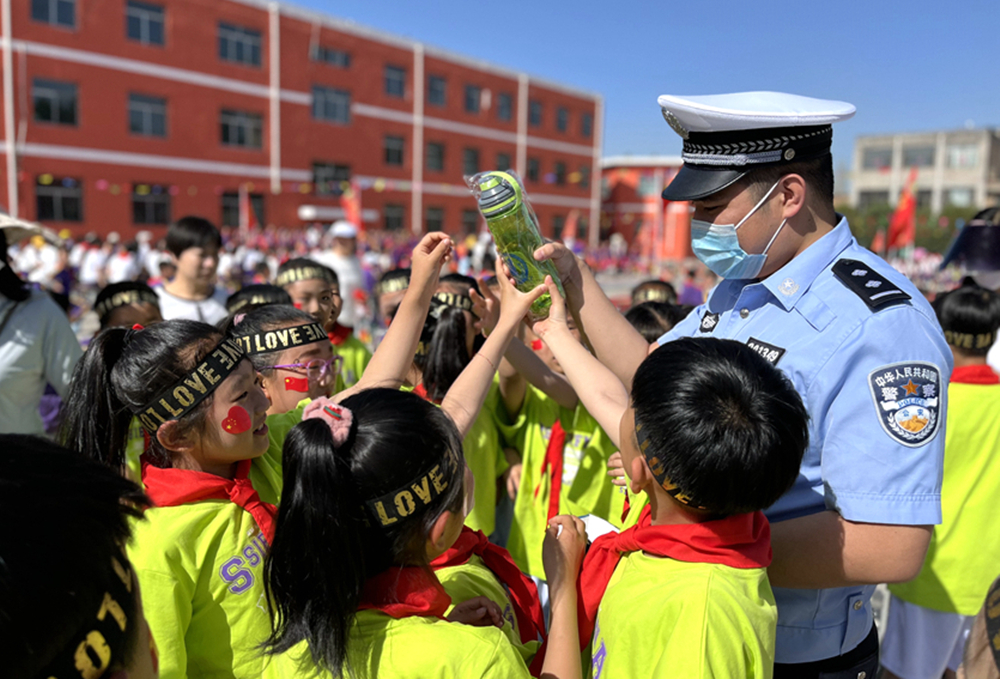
(906, 65)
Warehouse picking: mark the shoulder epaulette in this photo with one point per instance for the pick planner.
(877, 291)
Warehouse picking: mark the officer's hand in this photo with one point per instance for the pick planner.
(565, 261)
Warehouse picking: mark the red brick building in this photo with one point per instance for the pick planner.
(631, 205)
(125, 114)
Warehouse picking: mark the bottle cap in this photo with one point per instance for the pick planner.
(499, 193)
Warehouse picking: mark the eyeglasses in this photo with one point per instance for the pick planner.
(317, 370)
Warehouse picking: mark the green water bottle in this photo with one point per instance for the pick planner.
(515, 232)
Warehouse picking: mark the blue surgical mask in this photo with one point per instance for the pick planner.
(719, 248)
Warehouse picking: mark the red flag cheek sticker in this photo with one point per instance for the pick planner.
(298, 305)
(299, 384)
(537, 344)
(237, 422)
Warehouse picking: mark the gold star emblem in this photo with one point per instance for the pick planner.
(910, 387)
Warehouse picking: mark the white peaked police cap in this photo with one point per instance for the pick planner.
(17, 230)
(727, 135)
(343, 229)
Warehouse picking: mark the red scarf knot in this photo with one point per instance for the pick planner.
(553, 464)
(403, 592)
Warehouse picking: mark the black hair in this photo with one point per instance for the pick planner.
(653, 319)
(393, 275)
(261, 319)
(817, 173)
(444, 336)
(326, 546)
(109, 291)
(665, 292)
(56, 505)
(124, 369)
(728, 427)
(192, 232)
(970, 317)
(11, 285)
(256, 295)
(304, 263)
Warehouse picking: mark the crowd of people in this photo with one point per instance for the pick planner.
(301, 455)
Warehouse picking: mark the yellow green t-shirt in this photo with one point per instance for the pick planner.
(961, 560)
(586, 487)
(485, 458)
(265, 471)
(474, 579)
(411, 648)
(660, 617)
(356, 357)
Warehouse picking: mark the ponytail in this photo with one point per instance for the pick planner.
(447, 353)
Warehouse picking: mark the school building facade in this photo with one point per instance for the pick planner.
(120, 115)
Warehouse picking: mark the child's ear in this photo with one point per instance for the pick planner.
(170, 437)
(439, 534)
(639, 477)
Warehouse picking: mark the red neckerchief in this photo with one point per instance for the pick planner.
(421, 391)
(174, 487)
(339, 334)
(402, 592)
(553, 462)
(975, 374)
(522, 590)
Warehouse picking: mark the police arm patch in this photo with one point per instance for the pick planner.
(908, 401)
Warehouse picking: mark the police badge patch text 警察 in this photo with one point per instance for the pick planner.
(908, 401)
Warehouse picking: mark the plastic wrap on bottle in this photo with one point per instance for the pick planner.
(504, 204)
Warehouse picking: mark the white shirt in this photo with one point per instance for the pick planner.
(123, 266)
(93, 263)
(37, 346)
(210, 310)
(993, 357)
(351, 278)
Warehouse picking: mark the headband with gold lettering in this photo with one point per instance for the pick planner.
(181, 398)
(456, 301)
(397, 284)
(660, 474)
(282, 338)
(653, 293)
(414, 496)
(102, 640)
(124, 298)
(303, 273)
(965, 340)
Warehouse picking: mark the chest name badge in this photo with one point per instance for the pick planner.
(907, 401)
(769, 352)
(708, 322)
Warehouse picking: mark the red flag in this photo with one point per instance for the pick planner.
(903, 225)
(350, 201)
(248, 218)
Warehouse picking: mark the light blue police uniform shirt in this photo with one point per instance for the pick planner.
(858, 372)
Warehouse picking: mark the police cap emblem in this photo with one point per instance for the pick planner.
(908, 401)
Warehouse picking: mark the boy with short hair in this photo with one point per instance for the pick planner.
(713, 434)
(194, 243)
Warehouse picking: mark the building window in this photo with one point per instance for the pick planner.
(240, 128)
(55, 12)
(239, 45)
(876, 159)
(395, 81)
(924, 198)
(560, 172)
(960, 196)
(533, 169)
(963, 156)
(473, 95)
(470, 161)
(503, 161)
(394, 150)
(437, 91)
(331, 105)
(144, 23)
(327, 178)
(918, 156)
(330, 56)
(505, 106)
(434, 219)
(58, 200)
(867, 199)
(435, 156)
(150, 204)
(395, 216)
(558, 224)
(147, 115)
(470, 222)
(55, 102)
(585, 176)
(562, 119)
(586, 125)
(231, 208)
(535, 113)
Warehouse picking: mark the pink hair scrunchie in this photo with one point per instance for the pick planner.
(337, 417)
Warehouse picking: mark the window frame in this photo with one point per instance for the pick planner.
(57, 191)
(239, 35)
(473, 155)
(503, 167)
(439, 211)
(431, 101)
(477, 99)
(338, 173)
(399, 77)
(535, 107)
(149, 201)
(326, 99)
(148, 114)
(55, 103)
(533, 171)
(586, 125)
(505, 103)
(562, 119)
(386, 216)
(53, 13)
(330, 56)
(386, 150)
(438, 145)
(243, 117)
(145, 9)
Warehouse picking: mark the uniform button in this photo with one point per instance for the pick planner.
(862, 675)
(858, 606)
(744, 312)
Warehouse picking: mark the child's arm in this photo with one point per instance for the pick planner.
(554, 385)
(394, 356)
(466, 396)
(562, 552)
(602, 393)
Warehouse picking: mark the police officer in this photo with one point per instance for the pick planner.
(858, 341)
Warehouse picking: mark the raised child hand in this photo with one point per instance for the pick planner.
(514, 304)
(430, 254)
(557, 312)
(478, 612)
(616, 470)
(562, 553)
(486, 309)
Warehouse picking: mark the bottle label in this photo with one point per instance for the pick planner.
(519, 268)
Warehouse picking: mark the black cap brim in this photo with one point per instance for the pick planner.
(694, 182)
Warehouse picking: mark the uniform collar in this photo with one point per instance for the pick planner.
(791, 281)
